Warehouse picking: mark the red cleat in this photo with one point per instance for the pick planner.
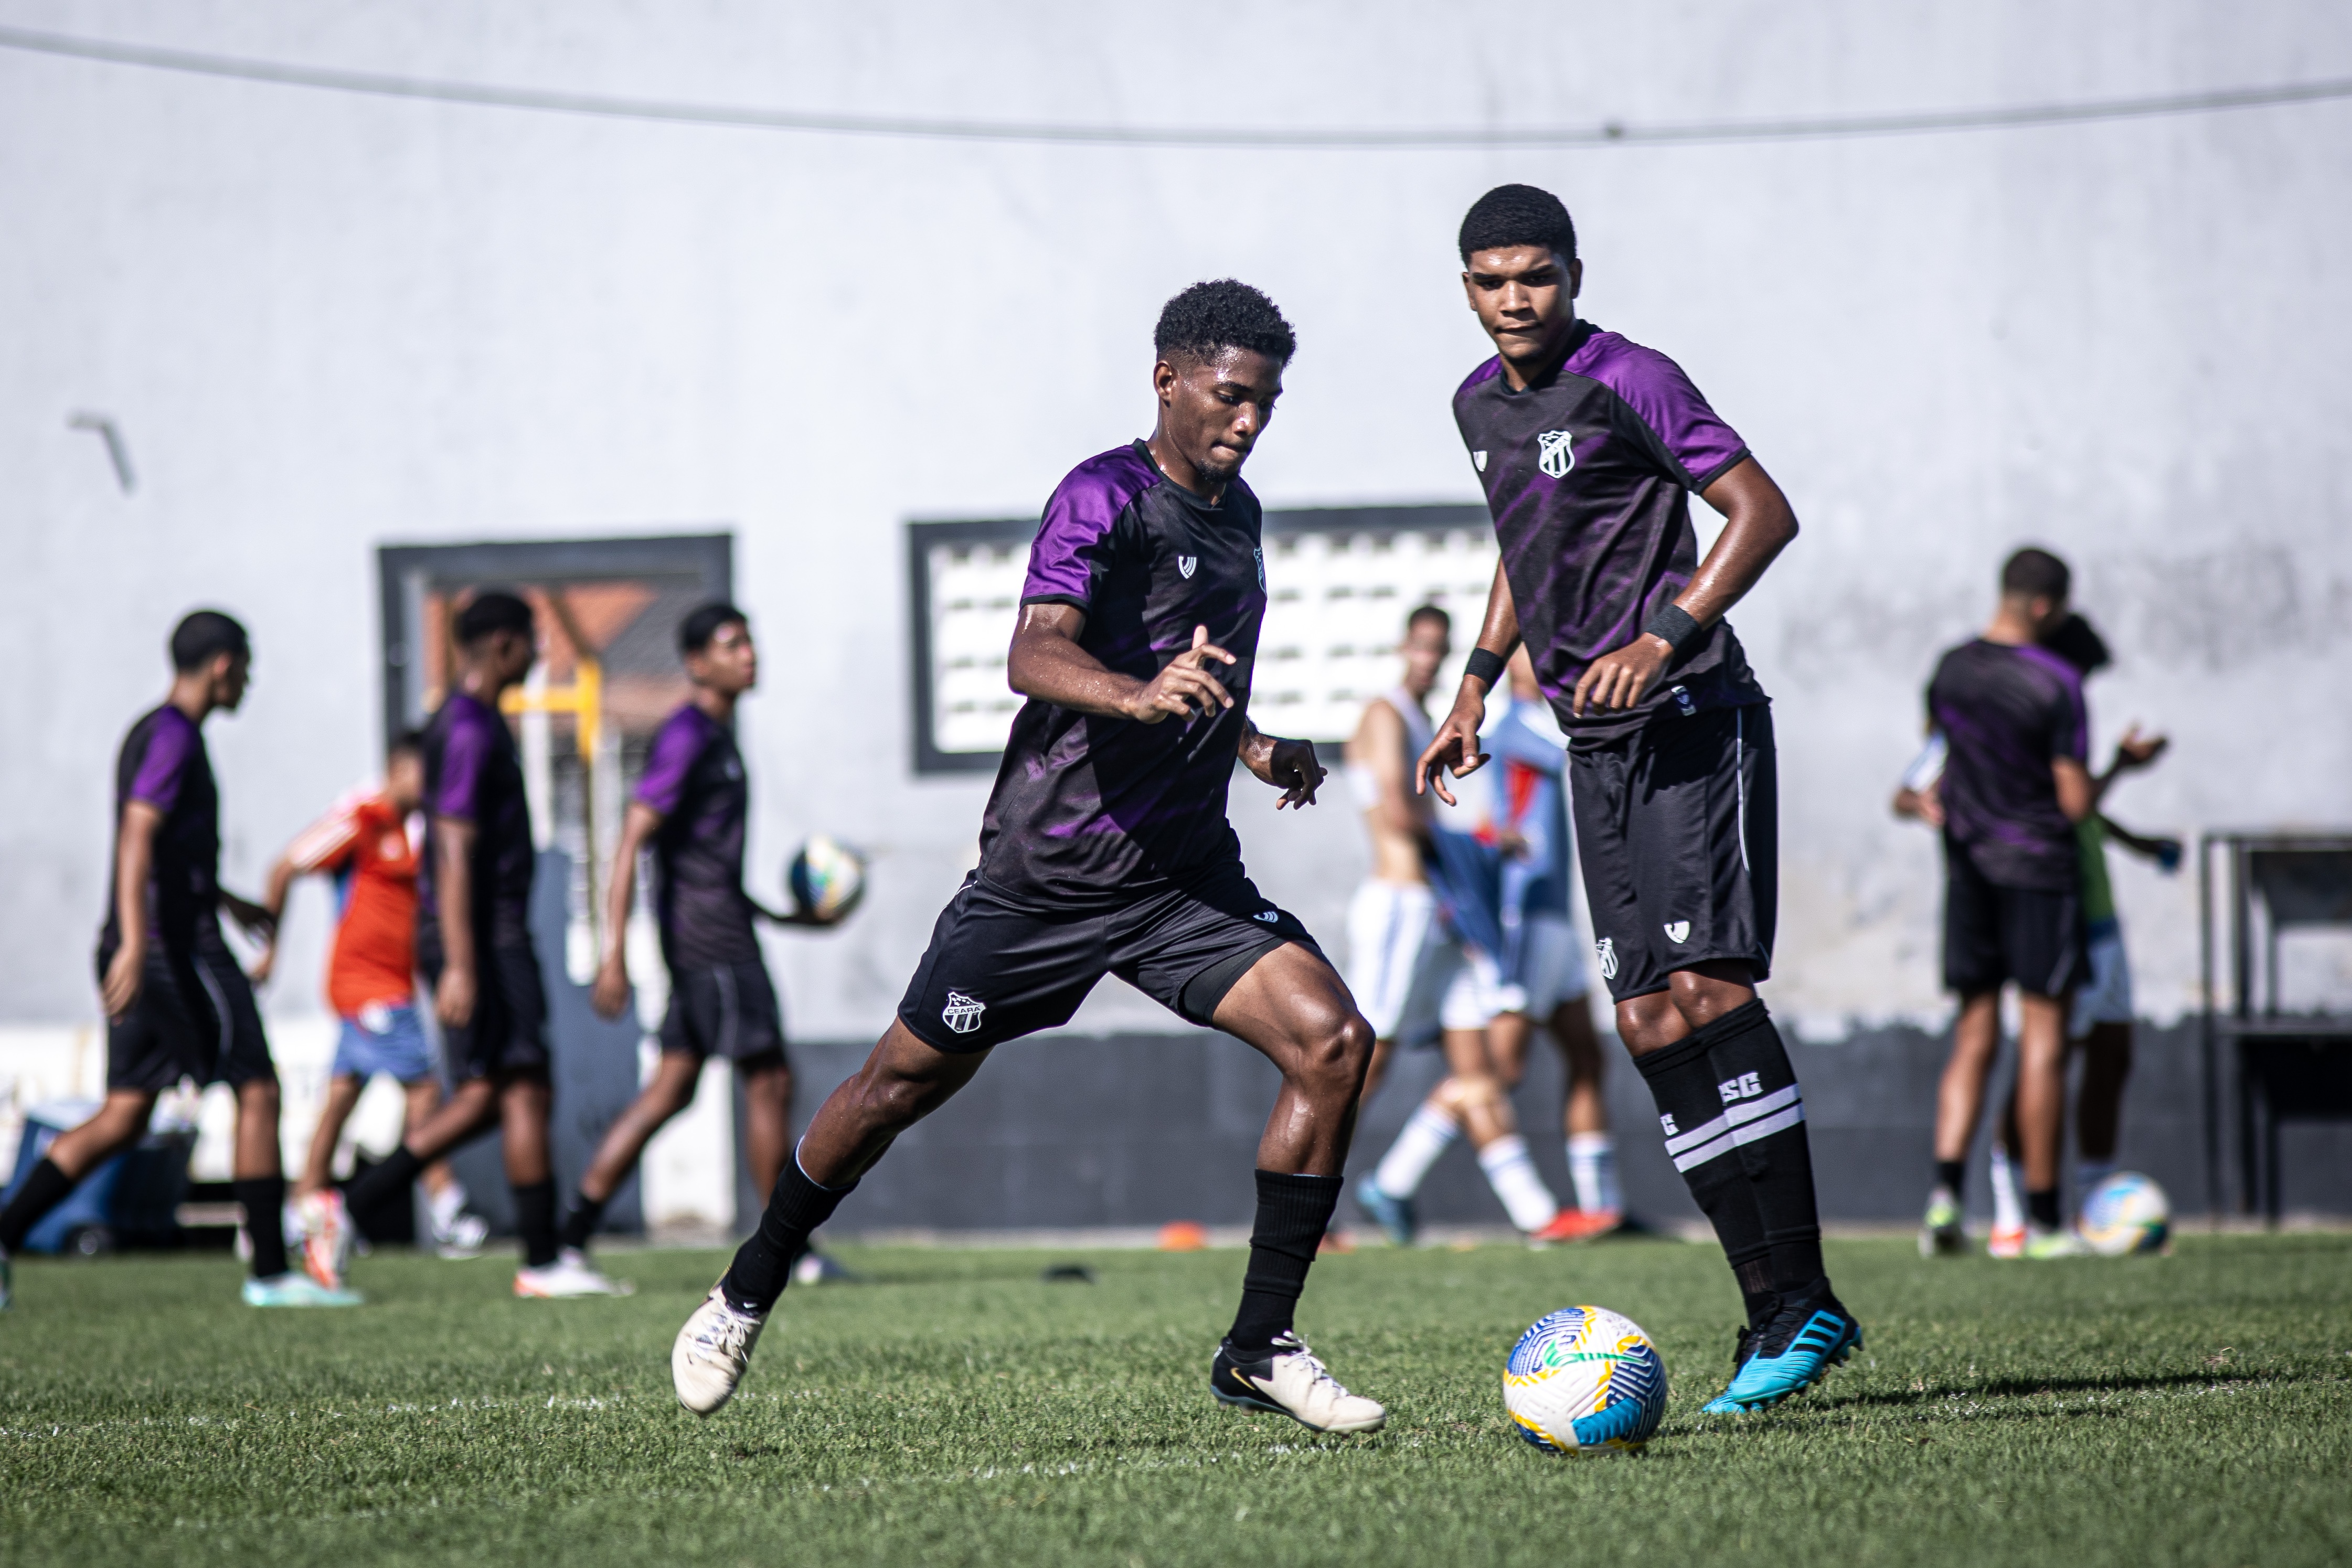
(1578, 1225)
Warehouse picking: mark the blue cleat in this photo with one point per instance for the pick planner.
(297, 1290)
(1394, 1215)
(1794, 1351)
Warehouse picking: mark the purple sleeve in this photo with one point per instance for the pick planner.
(675, 750)
(2070, 718)
(1698, 443)
(165, 764)
(1073, 543)
(463, 757)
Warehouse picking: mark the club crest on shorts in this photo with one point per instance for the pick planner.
(1478, 461)
(962, 1013)
(1607, 949)
(1186, 565)
(1677, 932)
(1554, 455)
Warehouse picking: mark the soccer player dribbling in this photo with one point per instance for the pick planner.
(1105, 849)
(1587, 445)
(177, 1005)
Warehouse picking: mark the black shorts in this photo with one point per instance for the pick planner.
(723, 1009)
(508, 1032)
(195, 1017)
(998, 969)
(1677, 826)
(1994, 934)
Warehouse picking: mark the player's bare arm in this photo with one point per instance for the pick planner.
(1455, 747)
(453, 883)
(1047, 662)
(275, 887)
(134, 858)
(610, 994)
(1759, 524)
(1288, 765)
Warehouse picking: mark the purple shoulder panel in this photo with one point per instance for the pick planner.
(465, 754)
(1485, 372)
(675, 750)
(2074, 733)
(1078, 518)
(164, 768)
(1657, 391)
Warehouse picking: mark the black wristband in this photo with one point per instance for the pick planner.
(1672, 623)
(1485, 665)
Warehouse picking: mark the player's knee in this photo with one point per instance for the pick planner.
(892, 1100)
(1336, 1055)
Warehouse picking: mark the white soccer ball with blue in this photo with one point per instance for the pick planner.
(828, 878)
(2127, 1213)
(1585, 1380)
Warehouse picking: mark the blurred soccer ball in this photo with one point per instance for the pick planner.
(1585, 1380)
(2127, 1213)
(828, 878)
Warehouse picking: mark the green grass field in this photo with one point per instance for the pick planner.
(2195, 1409)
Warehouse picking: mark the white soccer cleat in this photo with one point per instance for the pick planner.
(570, 1275)
(712, 1352)
(326, 1230)
(1290, 1380)
(462, 1238)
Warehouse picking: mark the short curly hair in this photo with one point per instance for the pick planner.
(1511, 215)
(1224, 314)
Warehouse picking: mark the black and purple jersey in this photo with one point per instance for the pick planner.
(1093, 811)
(473, 774)
(2007, 712)
(1588, 474)
(695, 779)
(164, 764)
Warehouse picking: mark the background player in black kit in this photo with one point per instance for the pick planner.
(1588, 446)
(177, 1004)
(690, 808)
(1105, 850)
(473, 945)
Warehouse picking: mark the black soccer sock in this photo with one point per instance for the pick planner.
(763, 1264)
(1698, 1140)
(1764, 1113)
(2042, 1210)
(46, 1186)
(391, 1179)
(534, 1204)
(579, 1225)
(1293, 1213)
(264, 1200)
(1950, 1175)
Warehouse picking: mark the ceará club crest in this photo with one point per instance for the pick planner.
(1554, 455)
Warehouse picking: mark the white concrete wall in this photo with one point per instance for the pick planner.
(327, 321)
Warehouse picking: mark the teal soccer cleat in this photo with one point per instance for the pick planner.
(295, 1289)
(1795, 1351)
(1394, 1215)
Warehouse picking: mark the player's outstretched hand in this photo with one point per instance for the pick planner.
(1289, 766)
(2137, 750)
(1455, 748)
(610, 995)
(1185, 688)
(123, 973)
(1618, 680)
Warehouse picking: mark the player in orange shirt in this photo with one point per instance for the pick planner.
(364, 844)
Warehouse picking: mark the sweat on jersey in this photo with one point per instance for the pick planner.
(363, 844)
(695, 778)
(474, 774)
(2006, 713)
(1094, 812)
(1588, 474)
(164, 764)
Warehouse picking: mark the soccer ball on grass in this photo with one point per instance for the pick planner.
(1585, 1380)
(2126, 1213)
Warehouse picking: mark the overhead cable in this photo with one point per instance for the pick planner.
(1607, 133)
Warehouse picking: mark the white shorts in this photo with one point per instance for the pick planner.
(1410, 975)
(1554, 966)
(2106, 997)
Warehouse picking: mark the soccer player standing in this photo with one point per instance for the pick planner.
(474, 947)
(363, 843)
(1588, 445)
(177, 1006)
(1105, 849)
(691, 806)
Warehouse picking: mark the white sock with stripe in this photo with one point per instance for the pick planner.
(1592, 1166)
(1513, 1175)
(1427, 1134)
(2008, 1203)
